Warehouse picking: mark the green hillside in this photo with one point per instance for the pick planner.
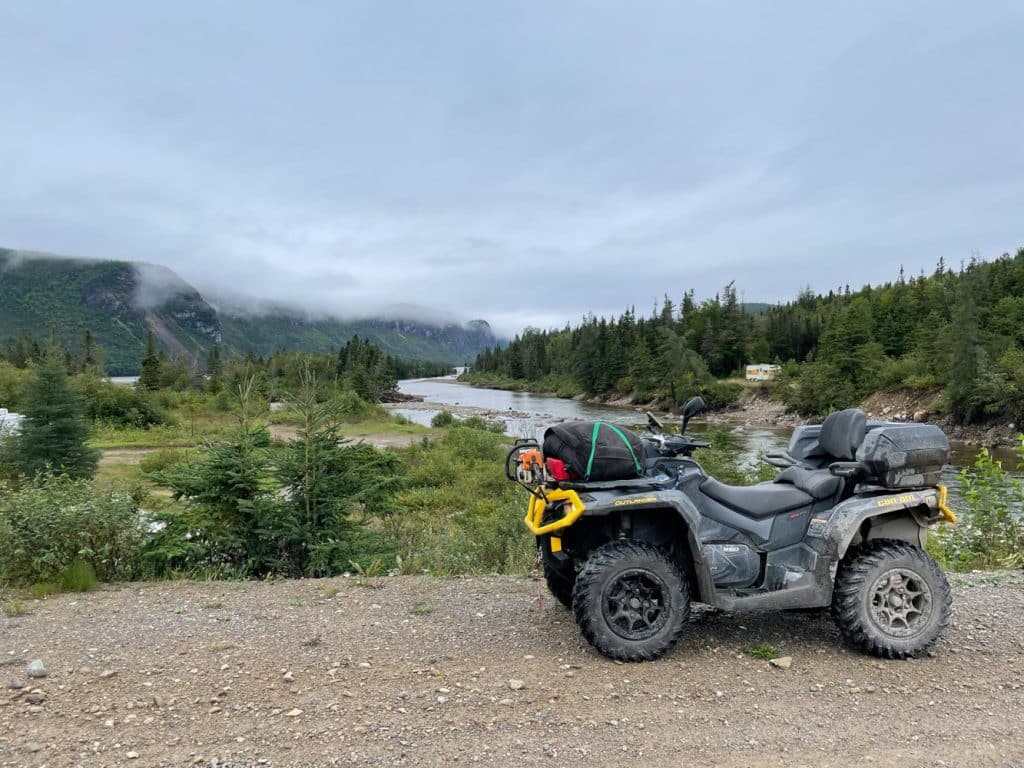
(265, 334)
(109, 299)
(120, 302)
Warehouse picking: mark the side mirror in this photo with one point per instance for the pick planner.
(691, 408)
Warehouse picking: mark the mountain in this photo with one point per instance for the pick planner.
(120, 302)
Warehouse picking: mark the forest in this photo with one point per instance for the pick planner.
(956, 330)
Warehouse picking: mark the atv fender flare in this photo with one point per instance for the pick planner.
(904, 516)
(675, 504)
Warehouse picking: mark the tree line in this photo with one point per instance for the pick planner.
(959, 330)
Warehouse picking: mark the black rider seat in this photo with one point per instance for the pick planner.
(840, 437)
(762, 500)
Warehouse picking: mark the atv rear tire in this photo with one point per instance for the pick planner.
(561, 577)
(631, 601)
(891, 599)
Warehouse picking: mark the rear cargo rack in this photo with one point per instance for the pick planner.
(639, 483)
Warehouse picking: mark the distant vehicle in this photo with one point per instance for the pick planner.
(762, 372)
(10, 423)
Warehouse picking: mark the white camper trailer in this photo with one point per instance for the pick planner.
(762, 372)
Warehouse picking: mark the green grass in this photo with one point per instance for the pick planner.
(460, 514)
(78, 577)
(43, 589)
(761, 651)
(384, 428)
(180, 435)
(423, 608)
(118, 474)
(14, 608)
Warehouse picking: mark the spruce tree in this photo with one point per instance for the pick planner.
(149, 375)
(88, 360)
(55, 430)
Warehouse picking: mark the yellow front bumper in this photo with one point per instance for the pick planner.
(536, 512)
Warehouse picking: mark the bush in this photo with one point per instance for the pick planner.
(12, 385)
(55, 529)
(459, 514)
(990, 532)
(118, 405)
(478, 422)
(159, 461)
(720, 395)
(352, 408)
(442, 419)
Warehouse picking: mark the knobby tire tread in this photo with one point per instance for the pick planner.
(587, 581)
(851, 582)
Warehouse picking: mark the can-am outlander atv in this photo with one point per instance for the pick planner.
(631, 530)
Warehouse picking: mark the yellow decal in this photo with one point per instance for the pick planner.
(556, 544)
(906, 498)
(624, 502)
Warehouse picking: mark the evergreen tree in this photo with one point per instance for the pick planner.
(88, 359)
(149, 374)
(55, 430)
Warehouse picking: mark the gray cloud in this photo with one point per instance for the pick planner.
(526, 163)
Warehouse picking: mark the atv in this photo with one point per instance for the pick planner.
(630, 531)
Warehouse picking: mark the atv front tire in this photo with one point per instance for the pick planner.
(631, 601)
(891, 599)
(560, 577)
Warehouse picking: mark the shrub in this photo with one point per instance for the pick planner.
(352, 408)
(12, 385)
(478, 422)
(990, 532)
(720, 395)
(459, 514)
(118, 405)
(442, 419)
(161, 460)
(57, 529)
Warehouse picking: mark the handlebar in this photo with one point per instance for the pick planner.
(676, 445)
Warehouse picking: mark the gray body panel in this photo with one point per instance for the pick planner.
(797, 551)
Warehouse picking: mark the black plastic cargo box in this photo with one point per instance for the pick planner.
(904, 455)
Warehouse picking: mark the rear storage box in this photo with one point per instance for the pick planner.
(904, 455)
(595, 450)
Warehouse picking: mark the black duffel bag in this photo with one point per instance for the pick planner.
(595, 450)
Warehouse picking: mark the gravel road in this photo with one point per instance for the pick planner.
(425, 671)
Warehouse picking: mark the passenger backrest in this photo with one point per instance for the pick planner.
(842, 433)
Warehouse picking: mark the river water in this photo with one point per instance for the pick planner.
(526, 415)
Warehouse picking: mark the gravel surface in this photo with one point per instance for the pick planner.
(425, 671)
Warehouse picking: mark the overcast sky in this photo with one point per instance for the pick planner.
(524, 162)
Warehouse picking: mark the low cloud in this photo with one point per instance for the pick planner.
(526, 164)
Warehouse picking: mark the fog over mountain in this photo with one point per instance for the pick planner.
(524, 163)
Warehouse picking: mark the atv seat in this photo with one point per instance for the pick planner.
(841, 435)
(819, 483)
(762, 500)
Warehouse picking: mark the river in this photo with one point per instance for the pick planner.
(526, 415)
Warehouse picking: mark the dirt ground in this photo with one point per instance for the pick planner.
(426, 671)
